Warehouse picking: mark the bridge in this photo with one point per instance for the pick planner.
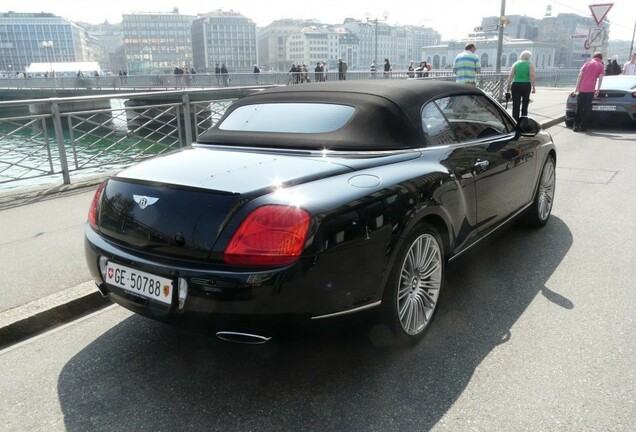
(53, 127)
(16, 87)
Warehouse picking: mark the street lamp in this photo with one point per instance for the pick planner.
(385, 15)
(502, 18)
(4, 59)
(48, 45)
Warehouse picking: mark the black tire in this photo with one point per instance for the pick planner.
(413, 289)
(539, 212)
(569, 122)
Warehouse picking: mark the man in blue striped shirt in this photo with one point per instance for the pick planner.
(467, 65)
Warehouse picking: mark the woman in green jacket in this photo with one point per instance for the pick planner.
(521, 84)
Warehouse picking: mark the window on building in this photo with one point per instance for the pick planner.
(484, 60)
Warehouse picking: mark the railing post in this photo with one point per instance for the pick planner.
(59, 136)
(186, 119)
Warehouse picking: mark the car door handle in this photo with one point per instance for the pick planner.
(481, 165)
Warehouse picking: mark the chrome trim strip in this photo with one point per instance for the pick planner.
(244, 338)
(321, 153)
(348, 311)
(494, 230)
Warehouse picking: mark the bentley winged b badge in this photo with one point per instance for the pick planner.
(144, 201)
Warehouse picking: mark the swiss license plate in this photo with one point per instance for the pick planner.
(603, 107)
(140, 283)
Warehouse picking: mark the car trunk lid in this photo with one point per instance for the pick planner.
(178, 205)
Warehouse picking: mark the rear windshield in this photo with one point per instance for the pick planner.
(288, 118)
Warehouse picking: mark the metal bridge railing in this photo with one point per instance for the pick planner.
(67, 137)
(555, 77)
(90, 135)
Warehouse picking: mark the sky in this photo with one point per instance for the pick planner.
(454, 19)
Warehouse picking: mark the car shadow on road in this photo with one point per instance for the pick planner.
(611, 128)
(145, 376)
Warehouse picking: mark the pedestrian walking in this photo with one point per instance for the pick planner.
(588, 86)
(411, 72)
(613, 68)
(256, 72)
(294, 74)
(342, 70)
(426, 68)
(630, 67)
(419, 71)
(387, 68)
(225, 75)
(178, 75)
(318, 72)
(521, 83)
(373, 69)
(217, 73)
(467, 65)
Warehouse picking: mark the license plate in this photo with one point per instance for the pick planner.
(140, 283)
(603, 107)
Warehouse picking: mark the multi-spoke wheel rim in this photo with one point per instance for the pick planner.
(546, 190)
(419, 284)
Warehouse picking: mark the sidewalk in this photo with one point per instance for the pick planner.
(34, 309)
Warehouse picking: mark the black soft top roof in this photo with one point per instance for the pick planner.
(387, 114)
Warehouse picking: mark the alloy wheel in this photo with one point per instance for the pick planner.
(419, 284)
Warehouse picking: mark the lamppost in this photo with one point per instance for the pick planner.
(502, 17)
(385, 15)
(48, 45)
(4, 59)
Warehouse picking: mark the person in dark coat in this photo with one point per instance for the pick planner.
(256, 71)
(217, 73)
(225, 75)
(318, 72)
(387, 68)
(342, 69)
(613, 68)
(294, 73)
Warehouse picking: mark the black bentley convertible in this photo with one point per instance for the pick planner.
(319, 200)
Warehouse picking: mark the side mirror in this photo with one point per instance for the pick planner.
(527, 126)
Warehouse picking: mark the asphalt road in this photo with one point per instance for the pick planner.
(535, 332)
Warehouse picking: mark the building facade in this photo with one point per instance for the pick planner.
(109, 40)
(156, 42)
(224, 37)
(27, 38)
(374, 42)
(442, 56)
(562, 30)
(272, 42)
(312, 44)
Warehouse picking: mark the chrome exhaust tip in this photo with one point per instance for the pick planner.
(242, 338)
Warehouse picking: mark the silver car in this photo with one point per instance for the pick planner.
(616, 99)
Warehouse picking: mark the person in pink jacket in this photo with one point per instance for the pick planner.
(588, 86)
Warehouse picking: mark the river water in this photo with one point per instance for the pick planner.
(96, 144)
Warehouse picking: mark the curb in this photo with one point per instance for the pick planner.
(24, 196)
(553, 122)
(25, 321)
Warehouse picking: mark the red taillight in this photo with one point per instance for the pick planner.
(271, 235)
(92, 212)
